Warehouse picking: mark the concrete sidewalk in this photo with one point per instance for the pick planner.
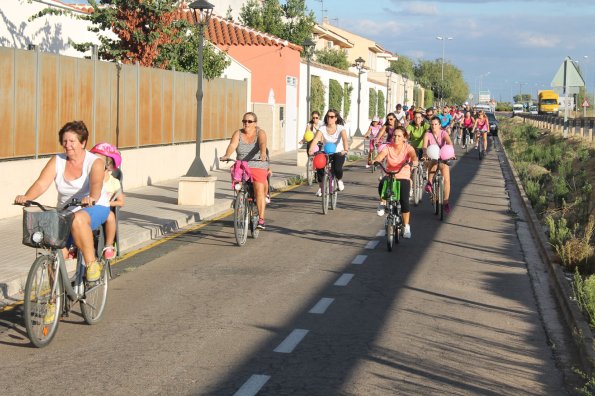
(150, 212)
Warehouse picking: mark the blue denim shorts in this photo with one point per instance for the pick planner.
(98, 215)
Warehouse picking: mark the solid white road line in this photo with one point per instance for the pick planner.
(292, 340)
(372, 244)
(321, 306)
(344, 280)
(359, 259)
(381, 233)
(253, 385)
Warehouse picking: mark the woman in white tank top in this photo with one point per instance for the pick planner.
(77, 174)
(333, 132)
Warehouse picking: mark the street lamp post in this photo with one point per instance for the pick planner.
(359, 65)
(308, 45)
(389, 73)
(443, 39)
(520, 88)
(405, 79)
(201, 13)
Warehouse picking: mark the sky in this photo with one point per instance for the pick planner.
(504, 46)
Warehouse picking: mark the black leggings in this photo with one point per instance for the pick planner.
(337, 161)
(404, 194)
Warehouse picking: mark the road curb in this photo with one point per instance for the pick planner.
(575, 320)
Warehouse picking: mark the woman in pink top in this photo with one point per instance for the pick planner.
(439, 136)
(482, 124)
(397, 153)
(468, 123)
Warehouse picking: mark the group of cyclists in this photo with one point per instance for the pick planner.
(402, 140)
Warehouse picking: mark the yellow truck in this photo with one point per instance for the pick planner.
(548, 102)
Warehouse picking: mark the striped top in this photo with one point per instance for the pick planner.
(250, 152)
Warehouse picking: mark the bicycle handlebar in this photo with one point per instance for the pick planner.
(72, 202)
(410, 163)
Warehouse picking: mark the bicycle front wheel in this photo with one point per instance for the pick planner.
(43, 301)
(441, 198)
(416, 186)
(334, 194)
(253, 210)
(240, 218)
(325, 193)
(93, 305)
(390, 234)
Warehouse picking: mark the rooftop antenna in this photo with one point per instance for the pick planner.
(322, 10)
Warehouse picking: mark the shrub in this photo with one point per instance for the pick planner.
(347, 90)
(373, 97)
(335, 95)
(381, 105)
(317, 95)
(584, 291)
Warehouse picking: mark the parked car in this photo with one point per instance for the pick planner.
(493, 124)
(533, 109)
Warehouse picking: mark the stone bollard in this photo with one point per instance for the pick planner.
(302, 157)
(196, 191)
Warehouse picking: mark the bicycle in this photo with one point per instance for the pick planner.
(245, 212)
(456, 130)
(49, 292)
(417, 182)
(481, 151)
(330, 188)
(373, 153)
(394, 219)
(467, 138)
(438, 189)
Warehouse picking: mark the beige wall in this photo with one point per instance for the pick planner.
(141, 167)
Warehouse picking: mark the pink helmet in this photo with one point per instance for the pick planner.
(109, 151)
(447, 152)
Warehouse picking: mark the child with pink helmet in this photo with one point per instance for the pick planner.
(112, 189)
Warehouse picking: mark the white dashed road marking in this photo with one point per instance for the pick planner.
(372, 244)
(344, 280)
(321, 306)
(359, 259)
(253, 385)
(292, 340)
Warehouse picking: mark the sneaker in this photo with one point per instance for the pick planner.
(267, 199)
(93, 271)
(446, 208)
(341, 185)
(407, 232)
(367, 166)
(380, 210)
(260, 224)
(50, 314)
(319, 193)
(109, 252)
(428, 188)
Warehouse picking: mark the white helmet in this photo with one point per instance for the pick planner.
(433, 152)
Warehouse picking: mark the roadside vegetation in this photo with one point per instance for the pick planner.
(558, 176)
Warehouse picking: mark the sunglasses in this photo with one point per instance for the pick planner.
(332, 116)
(314, 118)
(248, 121)
(391, 119)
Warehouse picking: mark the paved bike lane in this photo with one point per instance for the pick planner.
(150, 213)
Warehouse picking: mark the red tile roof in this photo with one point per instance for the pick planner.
(223, 32)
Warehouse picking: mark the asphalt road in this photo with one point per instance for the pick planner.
(315, 306)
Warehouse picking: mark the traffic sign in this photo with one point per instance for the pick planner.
(568, 75)
(586, 103)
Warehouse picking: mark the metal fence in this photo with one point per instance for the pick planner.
(583, 128)
(130, 106)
